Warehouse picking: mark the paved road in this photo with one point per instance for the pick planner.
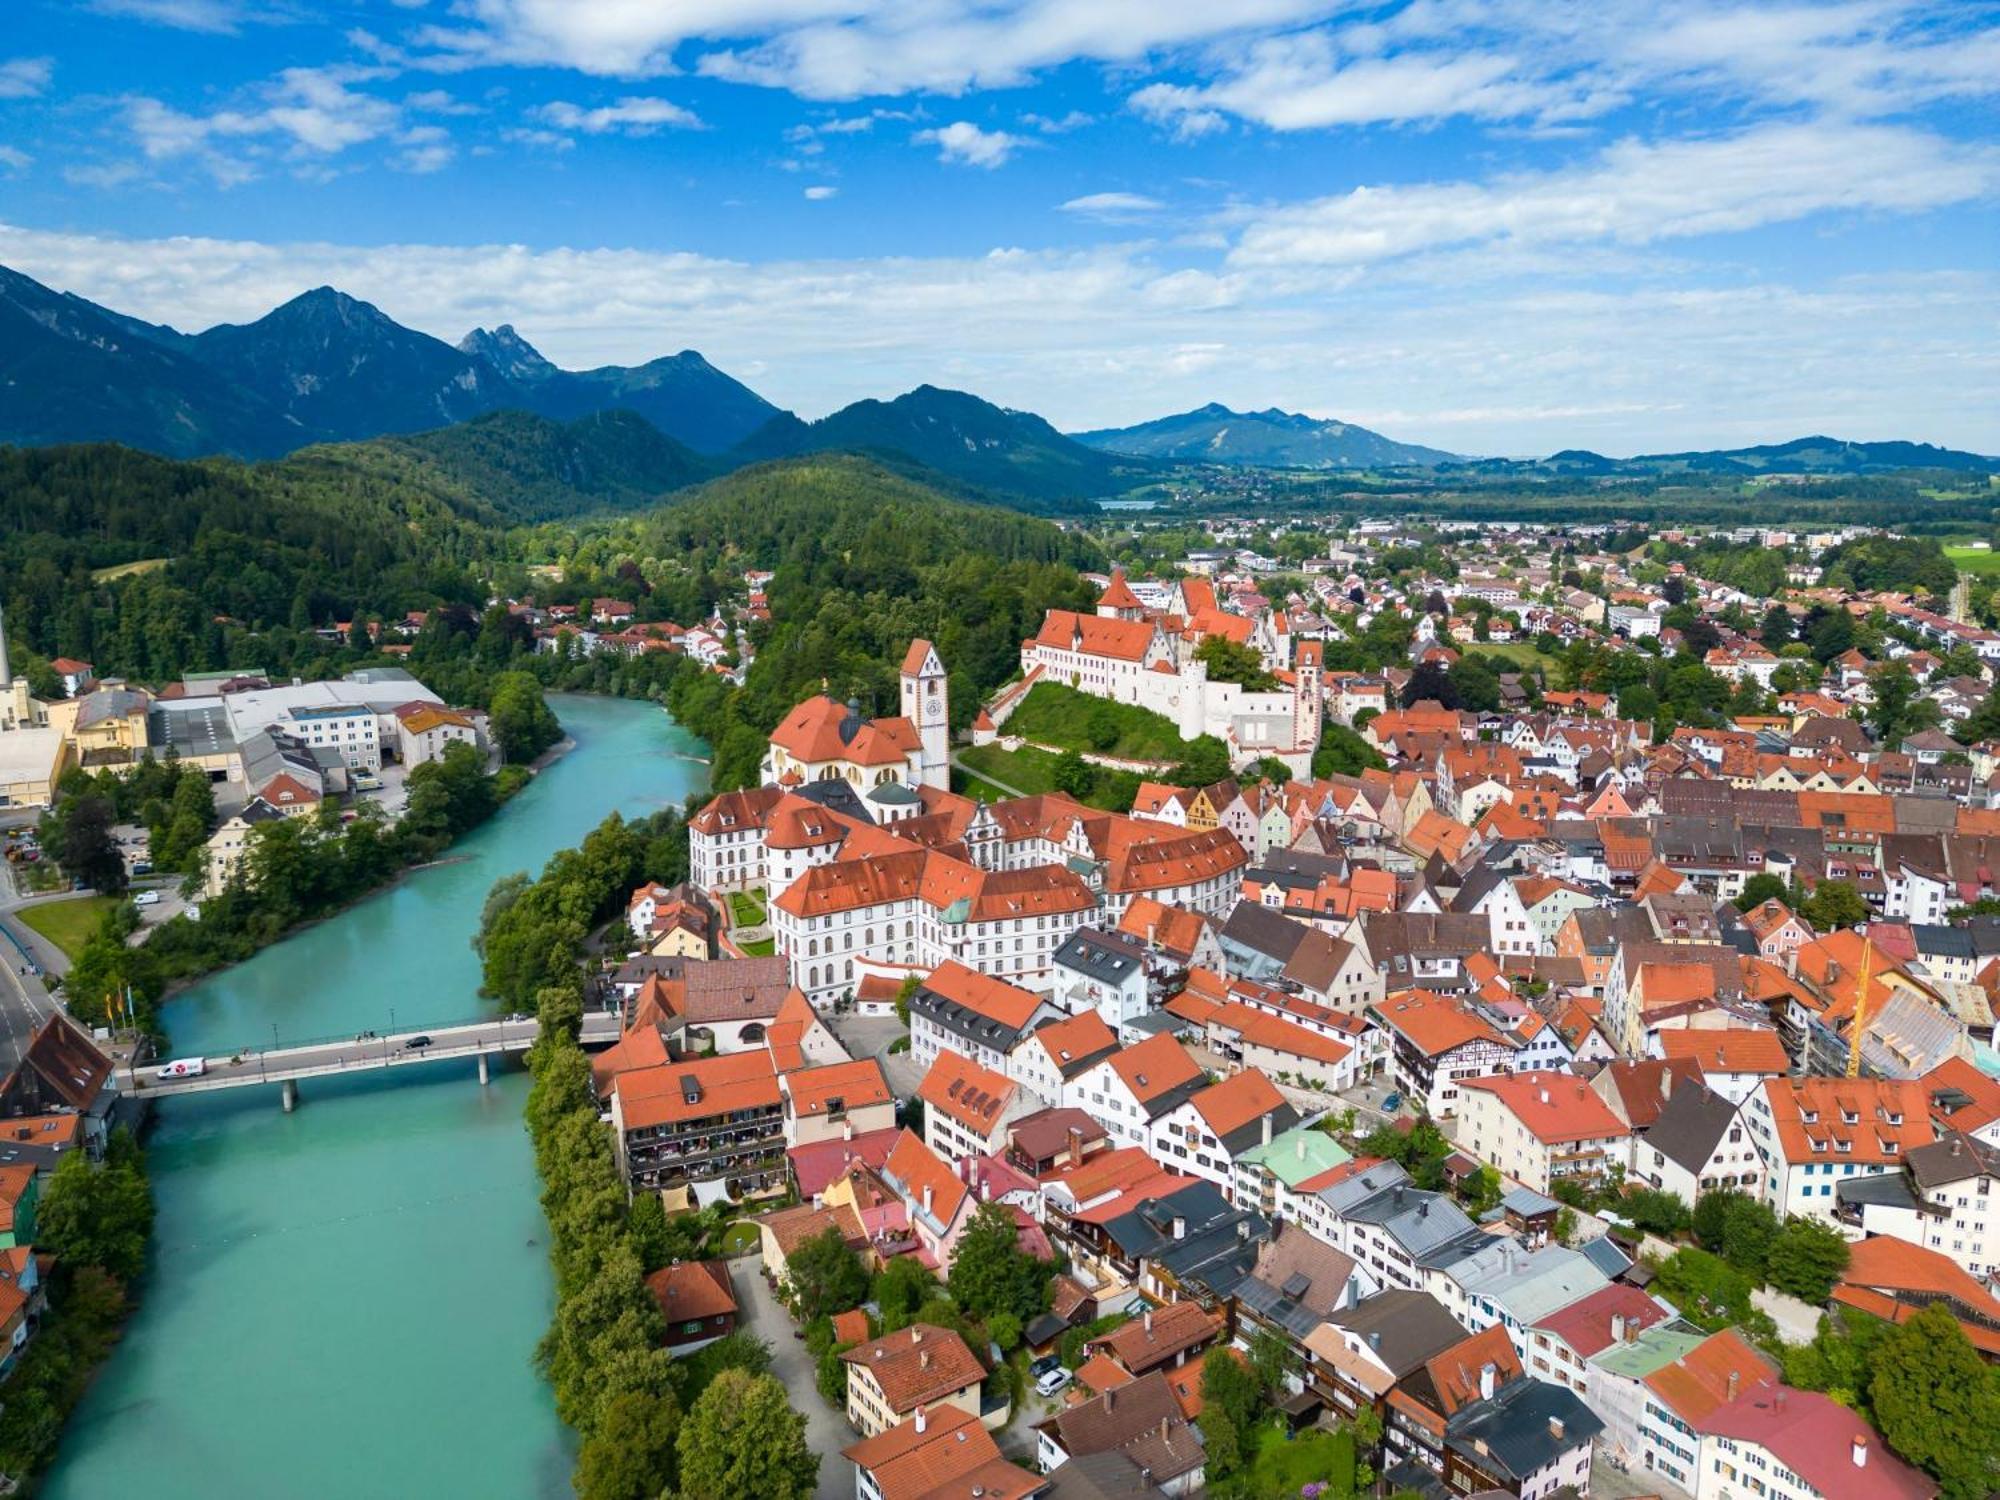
(872, 1036)
(24, 1000)
(827, 1431)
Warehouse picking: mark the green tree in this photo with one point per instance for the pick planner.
(1270, 1361)
(631, 1455)
(1228, 661)
(899, 1290)
(1804, 1259)
(743, 1438)
(1936, 1402)
(1072, 774)
(825, 1276)
(1230, 1388)
(85, 849)
(1889, 715)
(98, 1215)
(520, 720)
(990, 1273)
(1758, 889)
(1342, 752)
(1835, 904)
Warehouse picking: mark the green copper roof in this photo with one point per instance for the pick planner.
(1656, 1348)
(1299, 1154)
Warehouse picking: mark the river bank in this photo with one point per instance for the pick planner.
(325, 1284)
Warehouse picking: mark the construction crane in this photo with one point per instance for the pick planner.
(1860, 1011)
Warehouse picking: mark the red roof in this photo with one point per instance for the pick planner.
(1821, 1441)
(1554, 1107)
(1593, 1324)
(690, 1290)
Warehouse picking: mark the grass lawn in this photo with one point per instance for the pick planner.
(746, 908)
(1974, 559)
(967, 785)
(1033, 771)
(1052, 714)
(761, 948)
(68, 924)
(1282, 1466)
(738, 1238)
(1521, 653)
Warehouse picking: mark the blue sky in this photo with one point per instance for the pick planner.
(1500, 227)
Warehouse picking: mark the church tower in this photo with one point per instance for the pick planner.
(1307, 700)
(927, 705)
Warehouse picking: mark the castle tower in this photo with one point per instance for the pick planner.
(927, 705)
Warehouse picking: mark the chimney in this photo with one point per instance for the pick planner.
(1267, 1130)
(847, 1130)
(927, 1197)
(1374, 1340)
(1729, 1391)
(1488, 1377)
(1149, 1322)
(923, 1420)
(1180, 1227)
(1666, 1083)
(1110, 1398)
(1860, 1452)
(916, 1335)
(1618, 1328)
(1302, 1148)
(1243, 1230)
(1163, 1429)
(924, 1359)
(1076, 1145)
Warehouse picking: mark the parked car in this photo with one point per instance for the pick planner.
(1392, 1102)
(146, 898)
(1052, 1383)
(416, 1043)
(183, 1067)
(1045, 1364)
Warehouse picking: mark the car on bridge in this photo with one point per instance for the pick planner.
(416, 1043)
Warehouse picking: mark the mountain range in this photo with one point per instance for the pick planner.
(327, 368)
(952, 433)
(1807, 455)
(1269, 439)
(324, 367)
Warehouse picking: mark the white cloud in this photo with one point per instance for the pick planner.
(1111, 335)
(1111, 205)
(440, 102)
(311, 111)
(1636, 192)
(25, 77)
(220, 17)
(1076, 119)
(14, 159)
(964, 142)
(102, 175)
(546, 140)
(629, 116)
(820, 192)
(845, 49)
(426, 148)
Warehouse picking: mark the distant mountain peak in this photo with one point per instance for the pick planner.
(509, 353)
(1272, 438)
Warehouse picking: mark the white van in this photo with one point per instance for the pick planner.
(146, 898)
(183, 1067)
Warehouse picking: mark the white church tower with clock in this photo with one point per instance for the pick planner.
(927, 705)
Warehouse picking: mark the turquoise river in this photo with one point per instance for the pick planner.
(345, 1301)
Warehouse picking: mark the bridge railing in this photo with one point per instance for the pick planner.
(401, 1030)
